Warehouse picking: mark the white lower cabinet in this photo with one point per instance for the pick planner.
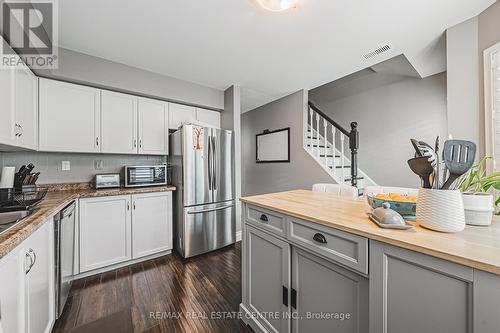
(151, 223)
(105, 231)
(12, 293)
(40, 280)
(117, 229)
(27, 299)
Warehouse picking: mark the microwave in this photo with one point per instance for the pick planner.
(137, 176)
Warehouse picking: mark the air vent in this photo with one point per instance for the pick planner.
(378, 51)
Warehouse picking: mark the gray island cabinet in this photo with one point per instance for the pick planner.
(303, 276)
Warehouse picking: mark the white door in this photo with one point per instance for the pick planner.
(7, 124)
(26, 107)
(12, 296)
(153, 127)
(69, 117)
(40, 280)
(208, 117)
(118, 123)
(268, 279)
(181, 114)
(105, 231)
(151, 223)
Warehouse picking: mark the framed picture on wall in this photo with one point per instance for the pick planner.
(273, 146)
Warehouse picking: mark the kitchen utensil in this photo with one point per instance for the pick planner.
(35, 178)
(7, 177)
(418, 153)
(406, 209)
(436, 169)
(422, 168)
(459, 156)
(385, 217)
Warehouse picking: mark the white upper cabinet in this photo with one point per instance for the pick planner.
(7, 116)
(181, 114)
(208, 117)
(153, 127)
(26, 107)
(69, 117)
(118, 123)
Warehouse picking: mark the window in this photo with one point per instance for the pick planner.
(492, 103)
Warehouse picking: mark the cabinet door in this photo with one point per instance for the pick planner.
(151, 223)
(153, 127)
(414, 293)
(118, 123)
(69, 117)
(268, 274)
(12, 294)
(208, 117)
(39, 250)
(329, 298)
(105, 231)
(7, 115)
(26, 107)
(181, 114)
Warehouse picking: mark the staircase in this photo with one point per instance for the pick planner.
(334, 148)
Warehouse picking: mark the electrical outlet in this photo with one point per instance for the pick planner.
(98, 164)
(65, 165)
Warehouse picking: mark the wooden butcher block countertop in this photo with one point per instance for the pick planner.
(477, 247)
(56, 200)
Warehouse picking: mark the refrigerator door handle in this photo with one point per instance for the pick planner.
(209, 155)
(209, 210)
(214, 164)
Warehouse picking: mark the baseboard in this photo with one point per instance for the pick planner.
(238, 235)
(250, 320)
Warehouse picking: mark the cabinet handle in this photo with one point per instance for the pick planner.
(17, 130)
(293, 299)
(140, 143)
(128, 205)
(135, 143)
(264, 218)
(21, 131)
(320, 238)
(28, 256)
(285, 296)
(134, 205)
(97, 141)
(34, 256)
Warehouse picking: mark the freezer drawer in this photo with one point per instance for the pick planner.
(207, 228)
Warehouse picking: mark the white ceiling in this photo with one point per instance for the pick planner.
(218, 43)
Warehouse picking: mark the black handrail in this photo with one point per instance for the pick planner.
(353, 136)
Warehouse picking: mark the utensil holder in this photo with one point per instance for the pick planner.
(440, 210)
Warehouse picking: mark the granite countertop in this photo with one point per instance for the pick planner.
(57, 198)
(477, 247)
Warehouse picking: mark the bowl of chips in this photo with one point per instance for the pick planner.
(406, 205)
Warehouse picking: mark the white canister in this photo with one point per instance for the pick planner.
(440, 210)
(7, 177)
(478, 208)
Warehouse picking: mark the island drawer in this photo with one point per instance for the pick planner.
(344, 248)
(266, 219)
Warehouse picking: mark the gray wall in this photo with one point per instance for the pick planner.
(390, 109)
(82, 165)
(301, 172)
(85, 69)
(231, 119)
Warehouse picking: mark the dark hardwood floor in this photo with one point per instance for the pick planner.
(168, 294)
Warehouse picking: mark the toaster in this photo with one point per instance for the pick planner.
(110, 180)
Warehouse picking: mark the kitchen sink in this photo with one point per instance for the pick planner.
(8, 219)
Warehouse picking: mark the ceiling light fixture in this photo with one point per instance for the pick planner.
(278, 5)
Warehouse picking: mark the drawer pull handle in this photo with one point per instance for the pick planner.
(320, 238)
(264, 218)
(285, 296)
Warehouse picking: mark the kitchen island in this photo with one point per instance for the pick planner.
(318, 257)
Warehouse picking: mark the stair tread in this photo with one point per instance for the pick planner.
(323, 155)
(349, 178)
(340, 167)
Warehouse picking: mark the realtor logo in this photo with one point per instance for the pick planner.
(30, 32)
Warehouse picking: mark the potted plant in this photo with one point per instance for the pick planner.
(477, 188)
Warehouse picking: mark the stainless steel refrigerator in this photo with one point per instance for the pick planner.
(203, 172)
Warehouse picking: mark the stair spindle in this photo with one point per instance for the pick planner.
(317, 135)
(342, 160)
(334, 150)
(311, 130)
(325, 124)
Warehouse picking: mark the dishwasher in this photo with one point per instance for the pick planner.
(64, 232)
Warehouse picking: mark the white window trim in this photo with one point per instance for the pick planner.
(488, 102)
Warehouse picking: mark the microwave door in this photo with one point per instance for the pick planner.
(223, 165)
(197, 164)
